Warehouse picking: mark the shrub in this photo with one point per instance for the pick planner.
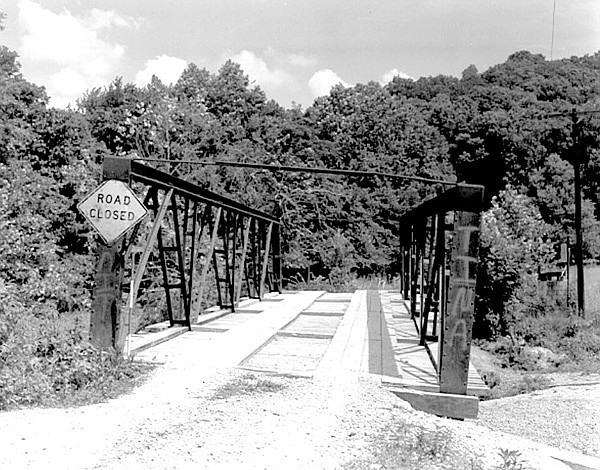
(513, 244)
(45, 359)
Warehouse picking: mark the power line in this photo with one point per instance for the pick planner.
(553, 23)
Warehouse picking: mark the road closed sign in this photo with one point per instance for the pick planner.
(112, 209)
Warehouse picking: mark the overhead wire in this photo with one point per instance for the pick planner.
(553, 23)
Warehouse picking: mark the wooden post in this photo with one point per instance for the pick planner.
(105, 318)
(458, 321)
(107, 327)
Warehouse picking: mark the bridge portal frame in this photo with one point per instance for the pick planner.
(243, 249)
(439, 256)
(439, 260)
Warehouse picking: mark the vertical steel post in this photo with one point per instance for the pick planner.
(414, 272)
(277, 258)
(265, 262)
(210, 256)
(245, 227)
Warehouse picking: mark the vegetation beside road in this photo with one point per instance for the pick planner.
(547, 349)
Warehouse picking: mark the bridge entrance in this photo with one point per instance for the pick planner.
(203, 246)
(206, 246)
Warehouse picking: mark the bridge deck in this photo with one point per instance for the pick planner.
(326, 336)
(414, 360)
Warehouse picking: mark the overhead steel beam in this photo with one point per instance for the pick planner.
(463, 197)
(118, 166)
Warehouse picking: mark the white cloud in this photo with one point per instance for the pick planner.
(167, 69)
(389, 76)
(323, 81)
(63, 83)
(296, 60)
(69, 49)
(105, 19)
(302, 60)
(258, 70)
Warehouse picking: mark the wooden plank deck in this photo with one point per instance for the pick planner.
(343, 360)
(415, 366)
(236, 337)
(369, 334)
(381, 353)
(297, 347)
(418, 382)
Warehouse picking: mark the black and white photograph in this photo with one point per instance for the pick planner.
(300, 234)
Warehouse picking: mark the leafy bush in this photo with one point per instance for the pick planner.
(412, 447)
(581, 343)
(513, 244)
(511, 460)
(44, 359)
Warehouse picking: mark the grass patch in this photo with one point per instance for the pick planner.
(512, 383)
(348, 283)
(415, 448)
(124, 378)
(247, 384)
(511, 460)
(505, 381)
(109, 377)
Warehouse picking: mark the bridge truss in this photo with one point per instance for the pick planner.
(199, 241)
(439, 260)
(196, 230)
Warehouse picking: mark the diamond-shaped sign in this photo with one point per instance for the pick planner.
(112, 209)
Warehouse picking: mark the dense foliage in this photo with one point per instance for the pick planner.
(500, 128)
(496, 128)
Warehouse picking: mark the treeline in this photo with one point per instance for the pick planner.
(502, 128)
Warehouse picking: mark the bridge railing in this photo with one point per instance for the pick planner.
(198, 240)
(439, 257)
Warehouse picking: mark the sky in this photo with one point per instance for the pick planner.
(295, 50)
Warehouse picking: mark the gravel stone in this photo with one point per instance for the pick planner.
(565, 417)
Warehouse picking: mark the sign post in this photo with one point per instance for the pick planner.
(112, 209)
(458, 321)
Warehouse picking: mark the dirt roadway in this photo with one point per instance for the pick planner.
(181, 420)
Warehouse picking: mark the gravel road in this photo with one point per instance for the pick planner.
(564, 417)
(185, 417)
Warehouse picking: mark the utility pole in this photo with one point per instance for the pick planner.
(578, 157)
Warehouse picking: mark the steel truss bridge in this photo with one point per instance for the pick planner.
(205, 244)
